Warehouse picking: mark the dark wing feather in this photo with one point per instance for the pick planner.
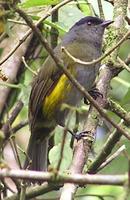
(42, 85)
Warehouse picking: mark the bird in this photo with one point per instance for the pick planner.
(51, 88)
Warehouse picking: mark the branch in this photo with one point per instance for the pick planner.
(13, 115)
(80, 156)
(119, 110)
(12, 65)
(105, 151)
(54, 31)
(100, 9)
(62, 148)
(18, 126)
(123, 64)
(29, 68)
(110, 1)
(35, 191)
(127, 61)
(112, 157)
(64, 178)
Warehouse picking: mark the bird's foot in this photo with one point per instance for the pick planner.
(79, 135)
(95, 93)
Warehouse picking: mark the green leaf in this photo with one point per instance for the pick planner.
(119, 88)
(55, 25)
(86, 8)
(54, 156)
(126, 99)
(33, 3)
(70, 12)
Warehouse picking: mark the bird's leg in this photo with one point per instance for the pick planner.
(94, 92)
(78, 135)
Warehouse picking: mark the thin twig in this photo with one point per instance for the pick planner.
(119, 111)
(62, 148)
(11, 85)
(101, 9)
(112, 157)
(110, 1)
(19, 126)
(12, 117)
(123, 64)
(29, 68)
(35, 191)
(3, 36)
(54, 31)
(23, 191)
(127, 60)
(17, 22)
(15, 150)
(7, 186)
(105, 151)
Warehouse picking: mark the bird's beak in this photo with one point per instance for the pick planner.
(107, 23)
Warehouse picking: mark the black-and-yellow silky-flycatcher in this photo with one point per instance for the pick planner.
(51, 88)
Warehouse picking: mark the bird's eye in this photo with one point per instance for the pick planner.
(89, 23)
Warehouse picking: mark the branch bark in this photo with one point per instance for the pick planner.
(11, 67)
(64, 178)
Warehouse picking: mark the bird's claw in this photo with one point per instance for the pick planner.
(80, 135)
(95, 93)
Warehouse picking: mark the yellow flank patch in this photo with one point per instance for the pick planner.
(56, 97)
(2, 26)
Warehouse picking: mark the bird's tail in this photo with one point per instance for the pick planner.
(37, 154)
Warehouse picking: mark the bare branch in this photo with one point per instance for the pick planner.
(105, 151)
(12, 65)
(35, 191)
(62, 148)
(64, 178)
(119, 110)
(100, 9)
(31, 70)
(54, 31)
(15, 112)
(112, 157)
(123, 64)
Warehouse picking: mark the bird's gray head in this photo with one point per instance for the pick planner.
(92, 21)
(90, 28)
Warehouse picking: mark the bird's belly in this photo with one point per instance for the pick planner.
(85, 77)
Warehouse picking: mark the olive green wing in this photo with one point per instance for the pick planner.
(41, 86)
